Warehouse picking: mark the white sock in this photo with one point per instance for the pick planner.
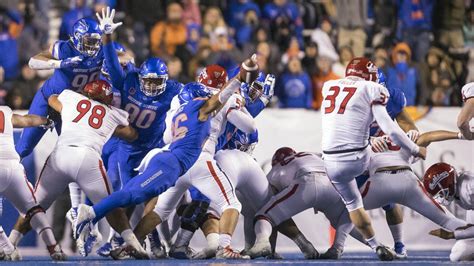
(224, 240)
(212, 241)
(15, 237)
(40, 224)
(75, 193)
(130, 238)
(112, 234)
(183, 238)
(263, 230)
(397, 232)
(373, 243)
(5, 243)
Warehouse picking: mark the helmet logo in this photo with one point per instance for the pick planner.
(438, 178)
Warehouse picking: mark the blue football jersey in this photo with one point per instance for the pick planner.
(395, 105)
(147, 114)
(72, 78)
(189, 133)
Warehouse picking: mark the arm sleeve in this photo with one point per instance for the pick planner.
(392, 129)
(117, 75)
(242, 121)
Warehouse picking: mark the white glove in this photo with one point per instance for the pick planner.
(379, 144)
(106, 22)
(413, 135)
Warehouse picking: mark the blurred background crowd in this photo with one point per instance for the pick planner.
(425, 47)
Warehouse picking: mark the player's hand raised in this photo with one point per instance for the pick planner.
(269, 86)
(70, 62)
(106, 21)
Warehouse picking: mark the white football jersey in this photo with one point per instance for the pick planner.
(7, 146)
(87, 123)
(465, 190)
(395, 156)
(218, 123)
(285, 173)
(347, 112)
(467, 91)
(168, 134)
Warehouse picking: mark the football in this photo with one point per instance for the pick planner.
(249, 70)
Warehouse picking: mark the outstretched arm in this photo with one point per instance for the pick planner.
(21, 121)
(55, 103)
(218, 100)
(127, 133)
(405, 122)
(464, 117)
(434, 136)
(49, 59)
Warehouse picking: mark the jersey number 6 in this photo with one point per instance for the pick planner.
(97, 113)
(332, 99)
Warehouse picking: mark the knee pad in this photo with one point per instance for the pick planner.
(194, 215)
(31, 212)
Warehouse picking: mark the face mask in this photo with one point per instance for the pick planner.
(401, 66)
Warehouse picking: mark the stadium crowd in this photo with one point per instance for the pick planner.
(425, 47)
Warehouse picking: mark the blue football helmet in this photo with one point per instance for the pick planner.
(192, 91)
(381, 79)
(87, 36)
(153, 76)
(243, 142)
(255, 90)
(119, 48)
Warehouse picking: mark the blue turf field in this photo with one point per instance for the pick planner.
(416, 258)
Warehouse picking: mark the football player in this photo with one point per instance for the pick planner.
(75, 62)
(89, 121)
(191, 129)
(467, 111)
(17, 189)
(349, 106)
(446, 185)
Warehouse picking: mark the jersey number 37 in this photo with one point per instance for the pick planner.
(348, 91)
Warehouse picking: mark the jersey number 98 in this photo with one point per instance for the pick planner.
(95, 118)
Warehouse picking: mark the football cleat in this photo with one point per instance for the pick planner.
(127, 251)
(92, 239)
(309, 252)
(205, 253)
(331, 254)
(229, 253)
(157, 250)
(400, 251)
(105, 249)
(182, 252)
(71, 215)
(384, 253)
(14, 256)
(274, 256)
(260, 249)
(57, 253)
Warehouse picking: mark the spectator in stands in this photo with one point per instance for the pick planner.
(380, 57)
(322, 36)
(468, 29)
(293, 50)
(191, 12)
(403, 75)
(11, 25)
(414, 25)
(345, 56)
(224, 53)
(264, 47)
(325, 73)
(192, 40)
(237, 10)
(248, 27)
(175, 70)
(385, 21)
(168, 34)
(293, 87)
(448, 22)
(351, 18)
(285, 22)
(309, 60)
(212, 20)
(201, 58)
(78, 11)
(23, 89)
